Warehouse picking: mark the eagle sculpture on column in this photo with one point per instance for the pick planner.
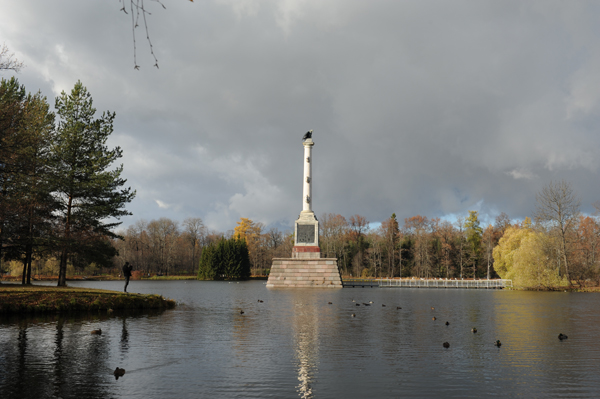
(307, 135)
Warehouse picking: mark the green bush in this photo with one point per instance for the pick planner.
(225, 260)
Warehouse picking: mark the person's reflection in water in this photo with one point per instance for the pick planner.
(124, 337)
(307, 349)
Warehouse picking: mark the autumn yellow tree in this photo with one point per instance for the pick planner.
(251, 232)
(523, 255)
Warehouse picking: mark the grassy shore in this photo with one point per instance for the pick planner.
(41, 299)
(104, 277)
(108, 277)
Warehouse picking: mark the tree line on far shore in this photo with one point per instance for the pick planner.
(559, 247)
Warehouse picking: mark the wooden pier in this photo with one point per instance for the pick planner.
(444, 283)
(361, 283)
(427, 283)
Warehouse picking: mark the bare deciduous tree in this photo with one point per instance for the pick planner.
(333, 231)
(420, 228)
(557, 209)
(163, 234)
(502, 223)
(195, 232)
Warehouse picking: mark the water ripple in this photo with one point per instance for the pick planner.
(295, 344)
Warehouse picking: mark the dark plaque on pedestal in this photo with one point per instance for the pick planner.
(305, 233)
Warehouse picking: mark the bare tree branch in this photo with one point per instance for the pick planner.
(7, 60)
(137, 9)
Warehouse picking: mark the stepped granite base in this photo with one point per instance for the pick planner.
(304, 273)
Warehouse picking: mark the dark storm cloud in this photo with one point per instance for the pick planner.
(424, 107)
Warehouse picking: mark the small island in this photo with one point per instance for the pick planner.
(44, 299)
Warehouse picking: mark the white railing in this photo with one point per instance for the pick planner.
(443, 283)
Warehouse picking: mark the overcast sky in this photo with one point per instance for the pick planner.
(418, 107)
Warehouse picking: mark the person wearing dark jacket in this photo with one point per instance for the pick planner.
(127, 268)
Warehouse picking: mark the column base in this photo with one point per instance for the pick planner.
(306, 252)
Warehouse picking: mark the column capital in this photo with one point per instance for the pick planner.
(308, 143)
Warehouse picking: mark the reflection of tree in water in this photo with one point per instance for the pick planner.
(23, 369)
(306, 336)
(22, 351)
(81, 366)
(52, 357)
(56, 356)
(58, 350)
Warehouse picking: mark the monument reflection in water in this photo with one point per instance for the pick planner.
(306, 341)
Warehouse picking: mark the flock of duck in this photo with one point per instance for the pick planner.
(445, 344)
(561, 336)
(497, 343)
(119, 372)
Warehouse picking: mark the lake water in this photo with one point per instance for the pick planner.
(295, 344)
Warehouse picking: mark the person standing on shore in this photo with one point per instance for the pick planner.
(127, 268)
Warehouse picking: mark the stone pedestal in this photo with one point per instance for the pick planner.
(306, 237)
(304, 273)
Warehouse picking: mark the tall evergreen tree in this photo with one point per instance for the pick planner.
(391, 232)
(12, 96)
(226, 259)
(474, 233)
(90, 196)
(26, 125)
(33, 200)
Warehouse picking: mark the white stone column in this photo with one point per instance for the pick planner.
(307, 187)
(306, 243)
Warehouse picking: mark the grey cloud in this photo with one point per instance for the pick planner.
(430, 108)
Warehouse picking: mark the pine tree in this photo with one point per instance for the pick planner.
(226, 259)
(26, 124)
(90, 196)
(391, 233)
(474, 233)
(206, 270)
(35, 203)
(12, 96)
